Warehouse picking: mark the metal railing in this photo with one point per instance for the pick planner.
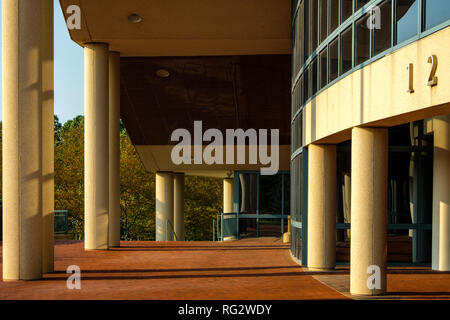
(174, 235)
(61, 221)
(227, 224)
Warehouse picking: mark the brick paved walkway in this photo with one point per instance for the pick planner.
(246, 269)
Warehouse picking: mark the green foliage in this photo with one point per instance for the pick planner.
(203, 196)
(69, 172)
(137, 188)
(203, 203)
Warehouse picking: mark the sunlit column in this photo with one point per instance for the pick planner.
(164, 205)
(96, 146)
(48, 141)
(369, 182)
(178, 205)
(441, 194)
(26, 68)
(228, 195)
(321, 207)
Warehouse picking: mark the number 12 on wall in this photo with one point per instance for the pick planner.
(432, 79)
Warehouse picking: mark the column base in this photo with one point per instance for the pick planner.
(320, 269)
(231, 238)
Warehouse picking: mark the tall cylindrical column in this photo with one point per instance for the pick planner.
(369, 182)
(228, 195)
(178, 205)
(164, 205)
(96, 147)
(22, 139)
(321, 207)
(441, 194)
(48, 140)
(114, 149)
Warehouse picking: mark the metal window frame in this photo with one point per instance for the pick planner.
(422, 33)
(237, 199)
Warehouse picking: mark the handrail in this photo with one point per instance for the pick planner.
(174, 235)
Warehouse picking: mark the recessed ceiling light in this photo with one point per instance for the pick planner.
(162, 73)
(134, 18)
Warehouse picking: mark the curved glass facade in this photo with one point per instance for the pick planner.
(333, 38)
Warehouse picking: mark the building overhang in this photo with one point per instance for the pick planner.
(185, 28)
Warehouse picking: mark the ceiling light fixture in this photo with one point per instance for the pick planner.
(134, 18)
(162, 73)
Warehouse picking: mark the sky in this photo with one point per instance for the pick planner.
(69, 71)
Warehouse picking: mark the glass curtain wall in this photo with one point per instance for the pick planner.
(331, 39)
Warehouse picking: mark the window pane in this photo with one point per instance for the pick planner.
(362, 40)
(334, 58)
(315, 26)
(323, 68)
(361, 3)
(300, 44)
(307, 29)
(306, 84)
(346, 50)
(382, 37)
(347, 9)
(436, 12)
(334, 12)
(323, 19)
(406, 20)
(313, 75)
(300, 90)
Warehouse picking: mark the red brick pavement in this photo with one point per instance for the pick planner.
(243, 270)
(246, 269)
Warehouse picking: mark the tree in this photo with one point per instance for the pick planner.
(137, 188)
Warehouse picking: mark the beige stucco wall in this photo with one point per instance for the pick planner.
(376, 95)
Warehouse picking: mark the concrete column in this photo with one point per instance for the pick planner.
(25, 122)
(322, 207)
(48, 142)
(441, 194)
(369, 182)
(164, 205)
(228, 195)
(114, 149)
(178, 205)
(96, 174)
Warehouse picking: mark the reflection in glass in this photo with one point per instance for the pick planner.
(333, 51)
(334, 14)
(315, 26)
(347, 9)
(406, 20)
(300, 45)
(361, 3)
(300, 90)
(313, 74)
(346, 50)
(436, 12)
(307, 30)
(306, 84)
(382, 37)
(362, 40)
(323, 68)
(323, 19)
